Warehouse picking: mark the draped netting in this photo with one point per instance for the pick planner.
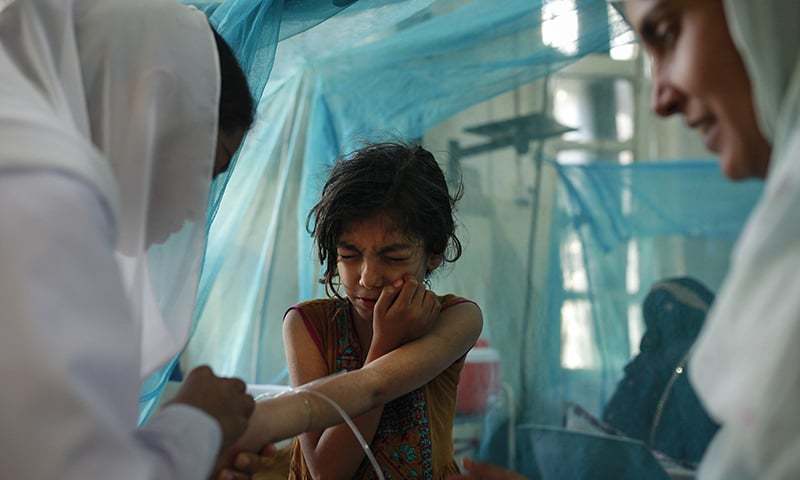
(329, 77)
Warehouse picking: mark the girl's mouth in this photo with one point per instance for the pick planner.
(365, 303)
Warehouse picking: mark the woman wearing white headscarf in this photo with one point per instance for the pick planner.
(739, 84)
(112, 122)
(732, 69)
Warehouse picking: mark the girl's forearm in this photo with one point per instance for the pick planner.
(298, 411)
(338, 453)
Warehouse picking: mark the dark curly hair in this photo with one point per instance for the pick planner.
(401, 181)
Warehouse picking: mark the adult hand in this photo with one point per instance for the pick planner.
(404, 312)
(224, 399)
(249, 442)
(484, 471)
(247, 464)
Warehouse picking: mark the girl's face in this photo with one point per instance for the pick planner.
(698, 73)
(372, 254)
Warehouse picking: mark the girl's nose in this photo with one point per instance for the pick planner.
(371, 276)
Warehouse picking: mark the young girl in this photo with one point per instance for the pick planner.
(384, 223)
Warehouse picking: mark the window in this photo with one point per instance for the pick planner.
(597, 96)
(578, 349)
(560, 26)
(624, 47)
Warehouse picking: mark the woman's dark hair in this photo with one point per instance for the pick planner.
(401, 181)
(235, 103)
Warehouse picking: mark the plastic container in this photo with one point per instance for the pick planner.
(480, 379)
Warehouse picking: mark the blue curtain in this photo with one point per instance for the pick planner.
(378, 70)
(389, 69)
(254, 28)
(624, 228)
(615, 231)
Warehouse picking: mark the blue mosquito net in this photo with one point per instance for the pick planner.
(562, 307)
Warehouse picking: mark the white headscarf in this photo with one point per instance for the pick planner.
(746, 364)
(124, 96)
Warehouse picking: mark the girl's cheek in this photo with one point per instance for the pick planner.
(347, 275)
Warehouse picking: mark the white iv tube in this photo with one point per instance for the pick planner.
(345, 417)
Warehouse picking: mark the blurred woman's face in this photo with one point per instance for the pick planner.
(698, 73)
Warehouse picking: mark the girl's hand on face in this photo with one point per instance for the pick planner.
(404, 312)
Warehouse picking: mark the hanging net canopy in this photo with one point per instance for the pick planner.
(570, 323)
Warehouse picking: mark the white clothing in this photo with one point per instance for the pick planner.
(124, 95)
(69, 350)
(108, 128)
(746, 363)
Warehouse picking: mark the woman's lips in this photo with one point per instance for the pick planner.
(709, 129)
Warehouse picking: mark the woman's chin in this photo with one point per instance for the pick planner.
(743, 160)
(727, 169)
(732, 166)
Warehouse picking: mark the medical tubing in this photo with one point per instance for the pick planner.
(346, 418)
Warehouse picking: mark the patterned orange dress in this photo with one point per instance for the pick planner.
(414, 439)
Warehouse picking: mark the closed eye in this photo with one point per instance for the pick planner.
(347, 251)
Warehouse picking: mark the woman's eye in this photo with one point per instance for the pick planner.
(665, 34)
(347, 256)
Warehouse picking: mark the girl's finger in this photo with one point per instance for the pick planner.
(431, 301)
(385, 300)
(420, 296)
(408, 291)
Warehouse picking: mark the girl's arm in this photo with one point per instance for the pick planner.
(382, 379)
(334, 452)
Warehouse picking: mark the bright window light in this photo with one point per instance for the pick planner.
(632, 281)
(572, 267)
(560, 25)
(624, 122)
(566, 108)
(635, 328)
(624, 46)
(577, 336)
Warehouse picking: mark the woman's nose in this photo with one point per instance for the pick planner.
(667, 99)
